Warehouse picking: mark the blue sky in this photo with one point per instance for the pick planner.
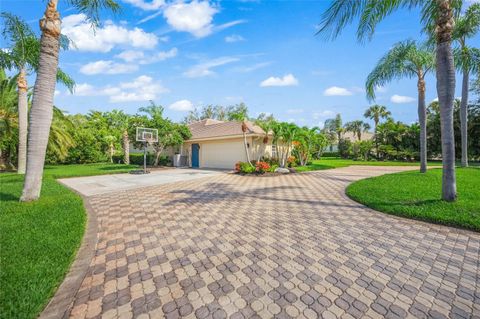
(263, 53)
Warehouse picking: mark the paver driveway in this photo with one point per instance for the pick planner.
(286, 246)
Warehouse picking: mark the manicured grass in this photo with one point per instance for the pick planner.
(336, 162)
(58, 171)
(39, 240)
(418, 196)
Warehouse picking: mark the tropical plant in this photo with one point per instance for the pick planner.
(169, 134)
(304, 143)
(375, 113)
(438, 13)
(406, 59)
(60, 139)
(23, 56)
(357, 127)
(468, 62)
(8, 120)
(41, 112)
(118, 122)
(266, 125)
(245, 143)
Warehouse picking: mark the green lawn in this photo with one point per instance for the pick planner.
(415, 195)
(39, 240)
(336, 162)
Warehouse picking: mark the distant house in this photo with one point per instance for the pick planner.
(366, 136)
(219, 144)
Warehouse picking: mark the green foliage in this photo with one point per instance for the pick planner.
(418, 196)
(8, 121)
(137, 159)
(238, 112)
(405, 59)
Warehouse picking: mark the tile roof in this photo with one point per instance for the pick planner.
(210, 128)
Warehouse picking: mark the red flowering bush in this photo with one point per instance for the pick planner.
(262, 167)
(237, 166)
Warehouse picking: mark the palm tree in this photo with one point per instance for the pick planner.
(23, 56)
(468, 61)
(357, 127)
(266, 126)
(406, 59)
(439, 13)
(244, 131)
(119, 121)
(375, 113)
(42, 103)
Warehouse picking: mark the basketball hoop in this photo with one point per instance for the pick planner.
(146, 136)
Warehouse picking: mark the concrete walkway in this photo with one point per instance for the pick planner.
(286, 246)
(95, 185)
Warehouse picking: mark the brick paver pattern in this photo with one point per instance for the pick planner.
(286, 246)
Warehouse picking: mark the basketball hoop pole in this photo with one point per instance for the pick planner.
(145, 158)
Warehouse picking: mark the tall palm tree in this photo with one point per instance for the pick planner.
(23, 56)
(439, 13)
(357, 127)
(245, 144)
(42, 103)
(468, 62)
(375, 113)
(406, 59)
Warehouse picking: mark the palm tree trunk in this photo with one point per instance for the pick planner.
(464, 118)
(375, 138)
(22, 121)
(42, 104)
(422, 119)
(111, 153)
(446, 94)
(126, 148)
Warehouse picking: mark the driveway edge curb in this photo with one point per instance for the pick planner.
(62, 301)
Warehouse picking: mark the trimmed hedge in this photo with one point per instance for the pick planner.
(330, 154)
(137, 159)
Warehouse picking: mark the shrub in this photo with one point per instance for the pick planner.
(291, 161)
(330, 154)
(262, 167)
(273, 168)
(137, 159)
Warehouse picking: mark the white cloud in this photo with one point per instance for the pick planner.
(57, 92)
(142, 88)
(194, 17)
(181, 106)
(323, 114)
(337, 91)
(140, 58)
(146, 5)
(107, 67)
(294, 111)
(286, 80)
(106, 37)
(399, 99)
(234, 38)
(204, 68)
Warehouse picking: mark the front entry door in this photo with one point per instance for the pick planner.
(195, 155)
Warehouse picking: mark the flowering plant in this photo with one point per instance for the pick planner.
(262, 167)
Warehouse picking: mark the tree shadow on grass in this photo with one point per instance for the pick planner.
(7, 197)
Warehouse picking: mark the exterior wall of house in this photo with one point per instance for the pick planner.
(224, 153)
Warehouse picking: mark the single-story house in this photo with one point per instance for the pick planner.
(220, 144)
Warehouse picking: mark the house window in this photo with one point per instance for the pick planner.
(274, 151)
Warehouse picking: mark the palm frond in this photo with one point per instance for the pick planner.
(395, 64)
(66, 80)
(92, 8)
